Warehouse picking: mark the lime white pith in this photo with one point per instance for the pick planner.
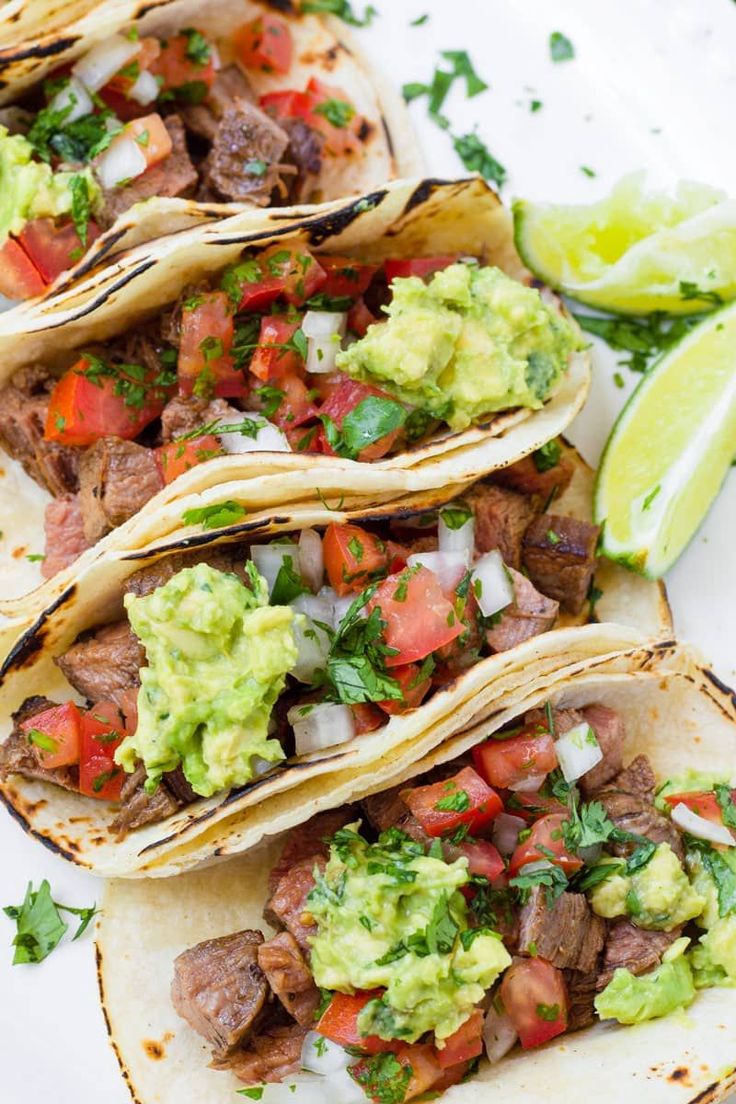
(670, 449)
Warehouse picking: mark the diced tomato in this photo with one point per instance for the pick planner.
(265, 43)
(704, 803)
(186, 66)
(101, 731)
(343, 399)
(287, 104)
(546, 836)
(54, 248)
(300, 274)
(532, 806)
(419, 618)
(345, 276)
(271, 359)
(466, 1043)
(19, 277)
(360, 318)
(205, 363)
(181, 456)
(296, 406)
(353, 557)
(151, 136)
(340, 134)
(504, 763)
(426, 1070)
(534, 996)
(413, 689)
(87, 404)
(483, 859)
(339, 1022)
(368, 717)
(54, 735)
(120, 105)
(148, 50)
(400, 268)
(442, 807)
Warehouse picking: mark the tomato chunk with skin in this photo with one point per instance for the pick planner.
(276, 355)
(181, 456)
(368, 717)
(338, 123)
(54, 735)
(300, 274)
(442, 807)
(101, 731)
(422, 267)
(186, 66)
(702, 802)
(339, 1022)
(266, 44)
(546, 836)
(483, 859)
(53, 248)
(360, 318)
(419, 618)
(205, 365)
(353, 557)
(414, 689)
(19, 277)
(345, 276)
(344, 397)
(466, 1043)
(505, 763)
(534, 996)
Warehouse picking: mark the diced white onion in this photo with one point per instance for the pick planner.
(146, 89)
(321, 1055)
(269, 558)
(122, 160)
(499, 1034)
(311, 558)
(698, 826)
(492, 584)
(533, 867)
(321, 726)
(530, 784)
(460, 540)
(449, 567)
(324, 331)
(313, 647)
(317, 606)
(505, 832)
(75, 96)
(578, 751)
(268, 438)
(104, 60)
(261, 766)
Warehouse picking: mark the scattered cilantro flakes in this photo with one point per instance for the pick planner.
(457, 802)
(338, 112)
(547, 456)
(216, 516)
(476, 157)
(551, 877)
(35, 557)
(197, 48)
(40, 927)
(728, 807)
(383, 1078)
(548, 1012)
(587, 171)
(342, 9)
(535, 106)
(420, 21)
(442, 82)
(644, 339)
(369, 421)
(288, 584)
(79, 188)
(560, 47)
(720, 872)
(690, 290)
(254, 1093)
(356, 666)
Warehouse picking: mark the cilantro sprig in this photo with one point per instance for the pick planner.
(356, 666)
(39, 925)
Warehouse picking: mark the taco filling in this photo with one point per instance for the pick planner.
(524, 890)
(137, 117)
(230, 662)
(286, 351)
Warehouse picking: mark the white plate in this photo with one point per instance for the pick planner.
(640, 67)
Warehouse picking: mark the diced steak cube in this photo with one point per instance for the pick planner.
(609, 730)
(562, 719)
(525, 478)
(309, 839)
(287, 906)
(245, 141)
(65, 539)
(566, 933)
(174, 176)
(633, 949)
(289, 976)
(17, 755)
(116, 479)
(270, 1056)
(559, 554)
(636, 814)
(501, 519)
(638, 778)
(105, 665)
(225, 558)
(580, 997)
(220, 989)
(386, 809)
(306, 153)
(203, 119)
(183, 414)
(530, 614)
(24, 404)
(138, 807)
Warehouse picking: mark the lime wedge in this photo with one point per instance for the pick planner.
(633, 252)
(670, 449)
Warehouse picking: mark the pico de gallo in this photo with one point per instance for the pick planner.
(140, 116)
(522, 891)
(287, 350)
(230, 663)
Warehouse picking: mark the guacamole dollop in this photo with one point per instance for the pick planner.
(714, 958)
(391, 917)
(658, 896)
(218, 656)
(31, 189)
(632, 1000)
(470, 342)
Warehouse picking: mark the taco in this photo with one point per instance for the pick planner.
(491, 923)
(207, 365)
(217, 672)
(135, 120)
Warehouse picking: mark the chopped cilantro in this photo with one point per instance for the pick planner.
(39, 925)
(456, 516)
(726, 802)
(216, 516)
(343, 9)
(548, 1012)
(338, 112)
(356, 667)
(79, 187)
(690, 290)
(369, 421)
(587, 171)
(550, 876)
(560, 47)
(288, 584)
(476, 157)
(547, 457)
(197, 48)
(644, 338)
(457, 802)
(420, 21)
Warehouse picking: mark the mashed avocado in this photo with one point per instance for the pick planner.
(391, 917)
(631, 999)
(714, 958)
(30, 189)
(470, 342)
(658, 896)
(704, 884)
(217, 655)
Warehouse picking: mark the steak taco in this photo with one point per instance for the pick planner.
(171, 693)
(139, 119)
(500, 915)
(373, 349)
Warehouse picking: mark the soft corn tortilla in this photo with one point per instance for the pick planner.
(78, 827)
(675, 711)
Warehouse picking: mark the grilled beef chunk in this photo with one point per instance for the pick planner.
(174, 176)
(24, 404)
(501, 519)
(105, 665)
(270, 1056)
(559, 555)
(530, 614)
(116, 478)
(566, 933)
(203, 119)
(182, 415)
(220, 990)
(139, 807)
(245, 141)
(309, 840)
(289, 976)
(633, 949)
(638, 778)
(609, 731)
(525, 478)
(228, 558)
(17, 755)
(563, 719)
(580, 997)
(636, 814)
(287, 906)
(305, 152)
(65, 539)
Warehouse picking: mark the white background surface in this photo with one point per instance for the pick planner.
(652, 85)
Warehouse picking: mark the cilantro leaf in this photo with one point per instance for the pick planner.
(79, 187)
(216, 516)
(476, 157)
(551, 877)
(645, 339)
(342, 9)
(40, 927)
(338, 112)
(690, 290)
(369, 421)
(721, 873)
(356, 666)
(547, 457)
(288, 584)
(726, 802)
(560, 47)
